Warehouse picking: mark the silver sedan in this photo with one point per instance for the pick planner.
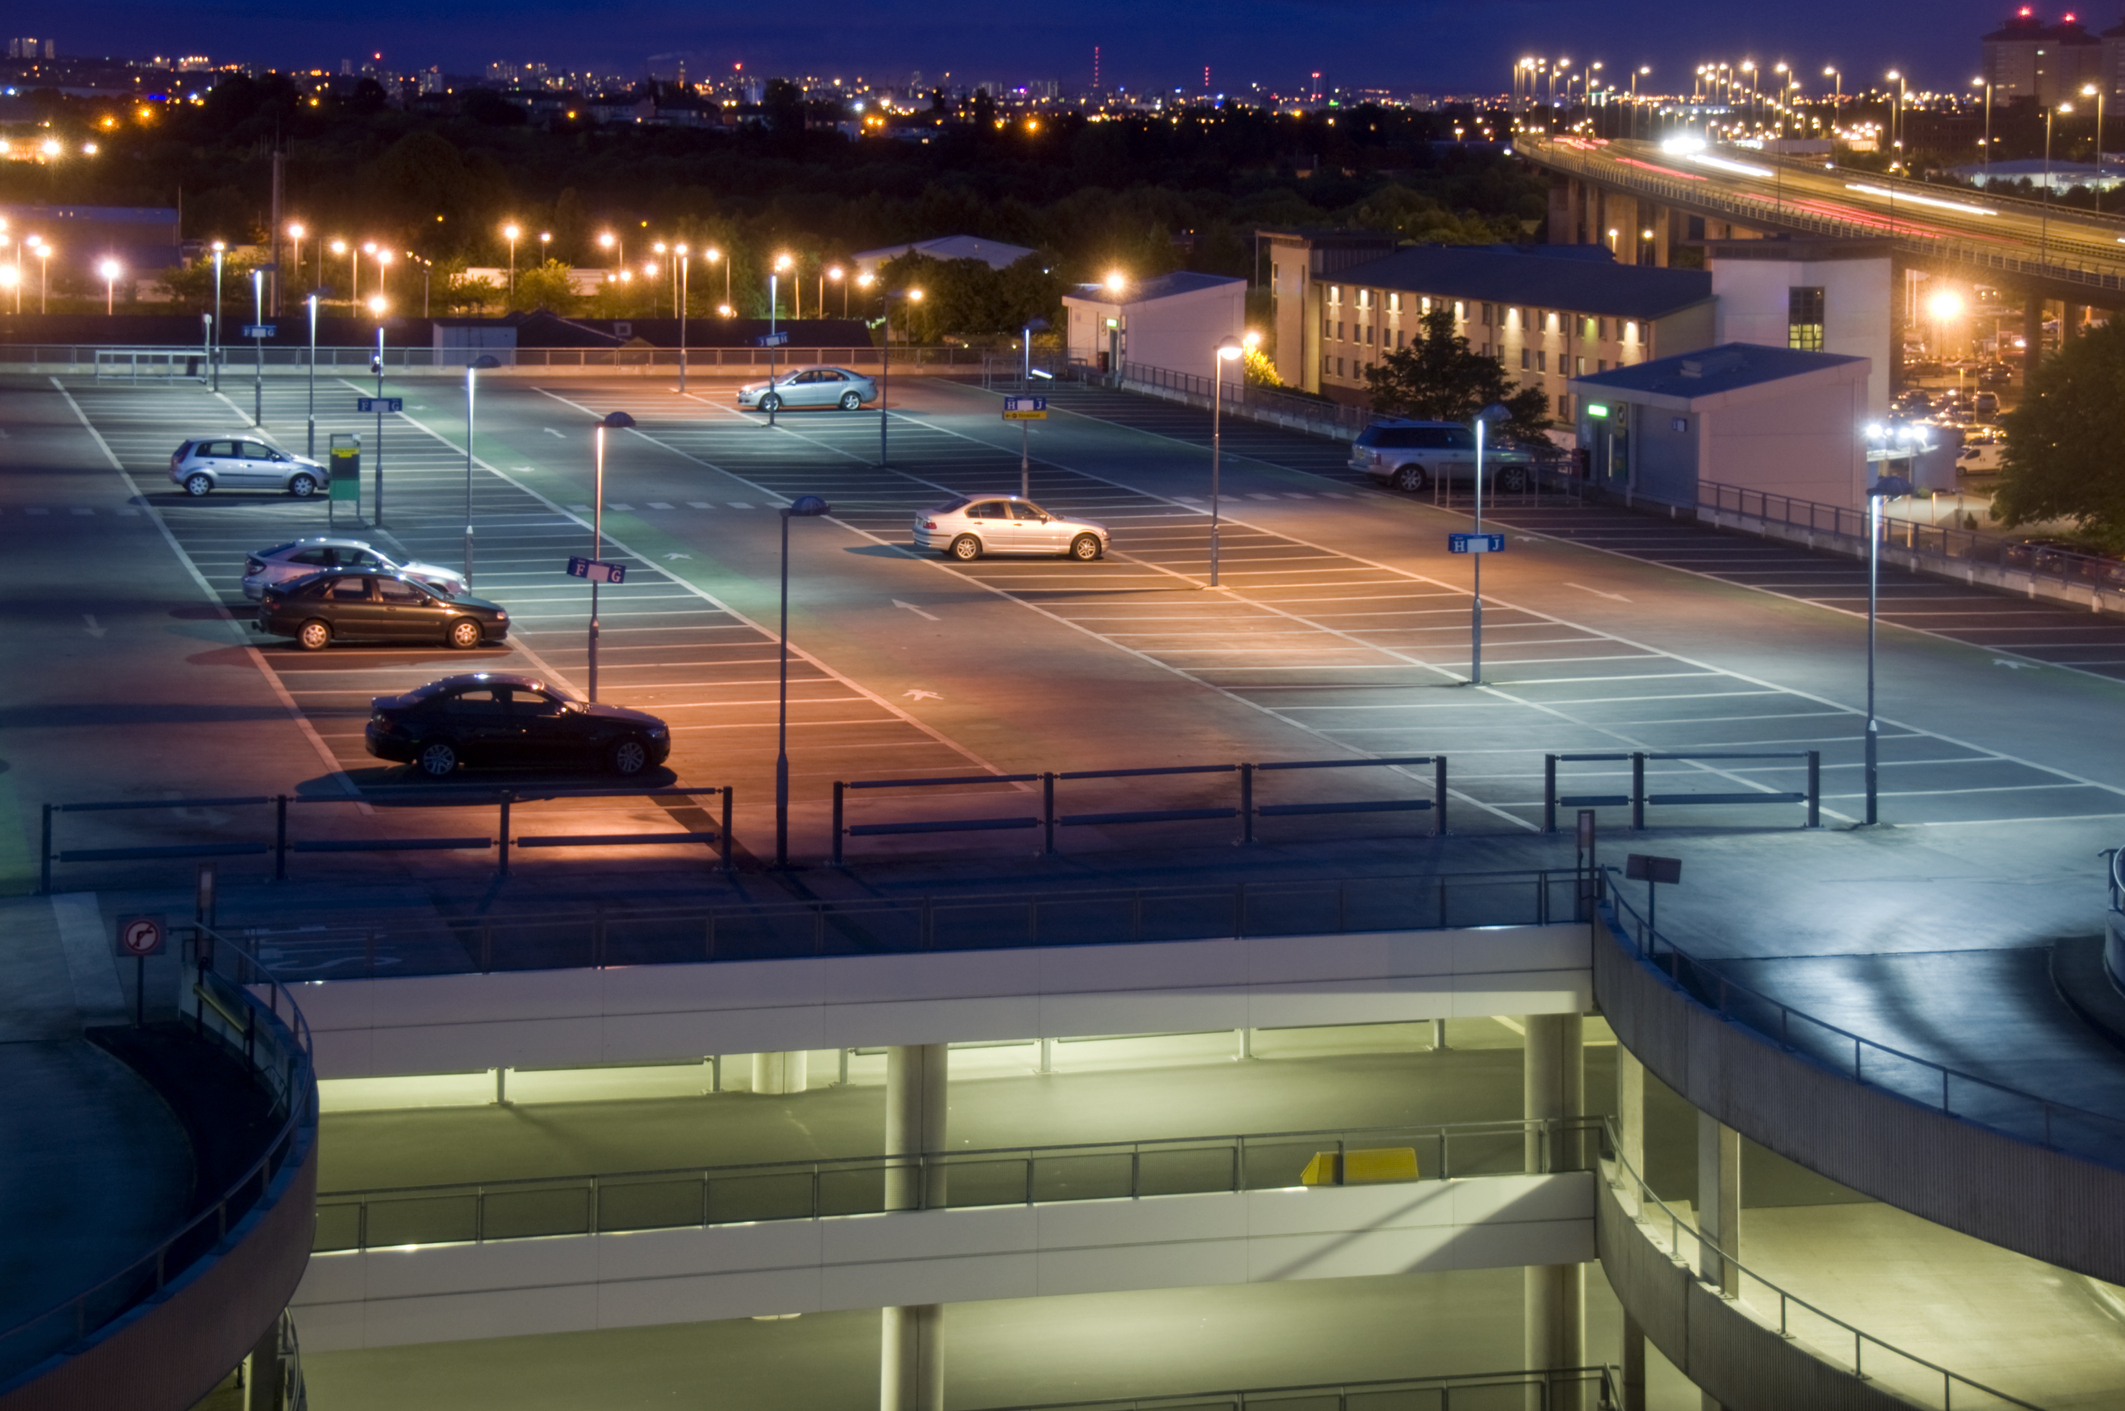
(810, 387)
(306, 556)
(240, 463)
(966, 529)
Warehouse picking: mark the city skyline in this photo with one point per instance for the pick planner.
(1432, 47)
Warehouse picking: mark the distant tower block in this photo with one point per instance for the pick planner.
(1206, 78)
(1095, 68)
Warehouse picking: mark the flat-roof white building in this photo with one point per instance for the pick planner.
(1174, 321)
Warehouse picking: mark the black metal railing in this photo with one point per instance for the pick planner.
(1581, 1388)
(281, 845)
(1638, 797)
(696, 1197)
(239, 1005)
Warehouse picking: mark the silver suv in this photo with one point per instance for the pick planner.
(304, 557)
(1411, 455)
(239, 463)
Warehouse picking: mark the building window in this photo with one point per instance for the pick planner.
(1327, 327)
(1582, 367)
(1564, 405)
(1526, 359)
(1424, 304)
(1804, 318)
(1602, 365)
(1339, 367)
(1339, 330)
(1335, 293)
(1460, 312)
(1601, 329)
(1542, 362)
(1487, 312)
(1394, 303)
(1276, 273)
(1630, 332)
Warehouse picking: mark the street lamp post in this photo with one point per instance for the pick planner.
(295, 234)
(44, 278)
(613, 421)
(2043, 246)
(713, 255)
(1228, 349)
(2090, 90)
(214, 353)
(685, 266)
(110, 270)
(1981, 82)
(774, 298)
(258, 348)
(840, 277)
(1881, 490)
(376, 365)
(1025, 431)
(885, 364)
(310, 440)
(510, 234)
(472, 371)
(1488, 417)
(803, 507)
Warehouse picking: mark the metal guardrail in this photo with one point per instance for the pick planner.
(1005, 920)
(2012, 1111)
(501, 799)
(269, 1035)
(1532, 1390)
(1798, 1320)
(1238, 397)
(697, 1197)
(1938, 541)
(1047, 820)
(1638, 798)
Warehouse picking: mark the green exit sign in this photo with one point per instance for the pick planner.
(1596, 409)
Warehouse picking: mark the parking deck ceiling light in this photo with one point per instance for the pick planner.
(803, 507)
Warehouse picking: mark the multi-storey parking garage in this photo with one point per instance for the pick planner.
(619, 1109)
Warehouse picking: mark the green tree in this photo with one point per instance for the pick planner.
(1438, 377)
(544, 286)
(2061, 459)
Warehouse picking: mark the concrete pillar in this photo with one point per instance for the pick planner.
(911, 1359)
(2071, 317)
(911, 1347)
(1719, 1202)
(781, 1072)
(915, 1124)
(2032, 335)
(1309, 371)
(1630, 1109)
(1553, 1085)
(1633, 1365)
(262, 1379)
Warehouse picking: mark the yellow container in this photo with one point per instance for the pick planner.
(1387, 1163)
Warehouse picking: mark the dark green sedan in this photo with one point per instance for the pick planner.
(375, 607)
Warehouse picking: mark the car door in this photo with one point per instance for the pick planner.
(1457, 452)
(218, 459)
(991, 522)
(477, 721)
(352, 609)
(547, 732)
(1032, 530)
(407, 612)
(252, 467)
(832, 383)
(805, 389)
(301, 563)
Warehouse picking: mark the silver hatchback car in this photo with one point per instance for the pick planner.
(810, 387)
(239, 463)
(306, 556)
(967, 528)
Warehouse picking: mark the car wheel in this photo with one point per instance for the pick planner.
(302, 487)
(197, 484)
(464, 634)
(1513, 479)
(771, 402)
(850, 401)
(1411, 478)
(313, 636)
(437, 759)
(1085, 548)
(966, 548)
(627, 757)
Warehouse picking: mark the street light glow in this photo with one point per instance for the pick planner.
(1945, 305)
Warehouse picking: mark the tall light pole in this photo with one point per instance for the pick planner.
(382, 258)
(110, 270)
(310, 440)
(713, 255)
(840, 277)
(2090, 90)
(803, 507)
(611, 243)
(44, 277)
(613, 421)
(1228, 349)
(1896, 121)
(377, 306)
(885, 364)
(685, 265)
(510, 234)
(1640, 72)
(1884, 488)
(295, 233)
(472, 372)
(339, 247)
(1488, 417)
(214, 352)
(258, 348)
(2043, 247)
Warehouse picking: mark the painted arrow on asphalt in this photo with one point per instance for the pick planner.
(95, 629)
(2016, 665)
(551, 432)
(678, 556)
(1597, 592)
(922, 695)
(917, 611)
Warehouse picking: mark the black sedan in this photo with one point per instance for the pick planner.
(381, 607)
(492, 718)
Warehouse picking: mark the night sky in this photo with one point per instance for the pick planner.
(1406, 45)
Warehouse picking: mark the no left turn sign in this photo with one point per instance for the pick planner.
(141, 936)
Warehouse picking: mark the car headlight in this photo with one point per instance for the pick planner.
(658, 732)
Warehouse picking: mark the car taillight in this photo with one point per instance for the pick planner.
(253, 566)
(929, 524)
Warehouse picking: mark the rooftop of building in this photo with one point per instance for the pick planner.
(1164, 286)
(947, 247)
(1707, 372)
(1540, 275)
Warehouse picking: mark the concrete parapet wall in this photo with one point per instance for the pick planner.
(561, 1018)
(443, 1293)
(1740, 1362)
(1983, 1182)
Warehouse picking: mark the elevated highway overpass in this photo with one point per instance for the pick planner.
(2038, 251)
